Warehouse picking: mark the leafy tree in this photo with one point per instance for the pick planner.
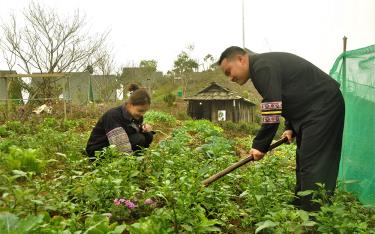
(148, 69)
(209, 63)
(184, 65)
(150, 64)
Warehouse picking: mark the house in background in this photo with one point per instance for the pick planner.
(217, 103)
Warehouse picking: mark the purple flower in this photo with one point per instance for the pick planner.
(117, 202)
(130, 204)
(148, 201)
(122, 200)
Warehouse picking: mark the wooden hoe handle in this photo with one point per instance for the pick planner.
(227, 170)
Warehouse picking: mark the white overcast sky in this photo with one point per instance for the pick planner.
(161, 29)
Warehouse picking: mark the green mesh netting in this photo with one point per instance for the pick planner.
(355, 70)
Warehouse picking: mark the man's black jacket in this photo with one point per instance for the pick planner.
(291, 87)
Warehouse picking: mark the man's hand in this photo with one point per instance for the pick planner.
(146, 128)
(257, 155)
(289, 135)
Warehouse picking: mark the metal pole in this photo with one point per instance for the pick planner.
(7, 106)
(64, 98)
(70, 95)
(343, 93)
(345, 39)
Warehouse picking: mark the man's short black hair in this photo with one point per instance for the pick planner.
(232, 51)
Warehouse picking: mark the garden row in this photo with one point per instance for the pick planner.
(47, 185)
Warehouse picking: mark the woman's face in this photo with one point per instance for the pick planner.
(137, 111)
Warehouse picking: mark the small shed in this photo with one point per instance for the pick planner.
(217, 103)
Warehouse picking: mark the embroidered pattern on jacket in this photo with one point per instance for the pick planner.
(265, 106)
(269, 119)
(120, 139)
(271, 112)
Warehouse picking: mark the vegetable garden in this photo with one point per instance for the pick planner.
(47, 185)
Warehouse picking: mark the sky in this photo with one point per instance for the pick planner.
(161, 29)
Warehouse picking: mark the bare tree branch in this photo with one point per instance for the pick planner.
(49, 43)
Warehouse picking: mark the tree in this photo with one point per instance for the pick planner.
(184, 65)
(105, 81)
(209, 63)
(143, 74)
(149, 64)
(148, 69)
(48, 43)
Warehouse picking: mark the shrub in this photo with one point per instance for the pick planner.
(169, 99)
(241, 127)
(182, 115)
(153, 117)
(17, 127)
(24, 159)
(3, 131)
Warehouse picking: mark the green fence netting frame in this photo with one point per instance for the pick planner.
(355, 71)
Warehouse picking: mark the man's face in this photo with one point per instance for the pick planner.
(137, 111)
(236, 68)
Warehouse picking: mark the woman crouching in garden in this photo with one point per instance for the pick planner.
(123, 126)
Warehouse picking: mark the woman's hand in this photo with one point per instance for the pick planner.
(146, 128)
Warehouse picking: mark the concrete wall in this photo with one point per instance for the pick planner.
(103, 87)
(138, 75)
(76, 87)
(3, 89)
(3, 84)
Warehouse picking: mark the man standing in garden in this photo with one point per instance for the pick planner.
(313, 108)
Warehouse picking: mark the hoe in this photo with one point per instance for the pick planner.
(227, 170)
